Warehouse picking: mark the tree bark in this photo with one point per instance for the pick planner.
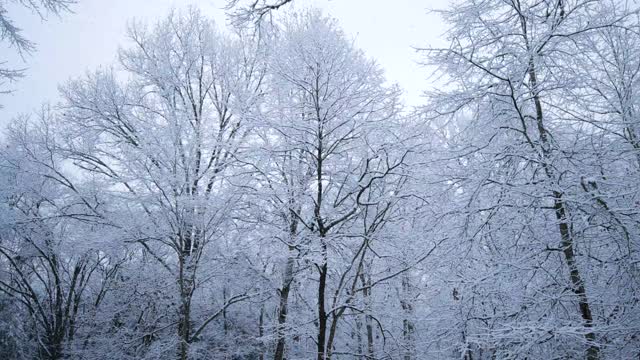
(366, 293)
(407, 324)
(578, 288)
(184, 322)
(261, 329)
(283, 307)
(322, 314)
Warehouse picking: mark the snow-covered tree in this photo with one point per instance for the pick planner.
(534, 276)
(56, 263)
(265, 194)
(166, 144)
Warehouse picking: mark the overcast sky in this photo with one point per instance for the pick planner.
(88, 38)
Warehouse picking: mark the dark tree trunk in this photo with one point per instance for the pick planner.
(578, 288)
(322, 314)
(407, 324)
(283, 308)
(186, 283)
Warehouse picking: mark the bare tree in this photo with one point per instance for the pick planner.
(508, 97)
(334, 119)
(52, 265)
(169, 140)
(266, 195)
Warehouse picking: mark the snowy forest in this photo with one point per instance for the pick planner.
(260, 191)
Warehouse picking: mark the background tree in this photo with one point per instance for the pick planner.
(55, 266)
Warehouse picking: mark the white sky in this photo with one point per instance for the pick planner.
(88, 38)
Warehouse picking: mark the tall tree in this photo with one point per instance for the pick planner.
(519, 144)
(332, 119)
(169, 142)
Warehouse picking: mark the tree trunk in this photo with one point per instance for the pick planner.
(366, 293)
(322, 315)
(407, 324)
(261, 330)
(578, 288)
(184, 321)
(358, 332)
(283, 307)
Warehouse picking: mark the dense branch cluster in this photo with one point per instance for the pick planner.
(267, 195)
